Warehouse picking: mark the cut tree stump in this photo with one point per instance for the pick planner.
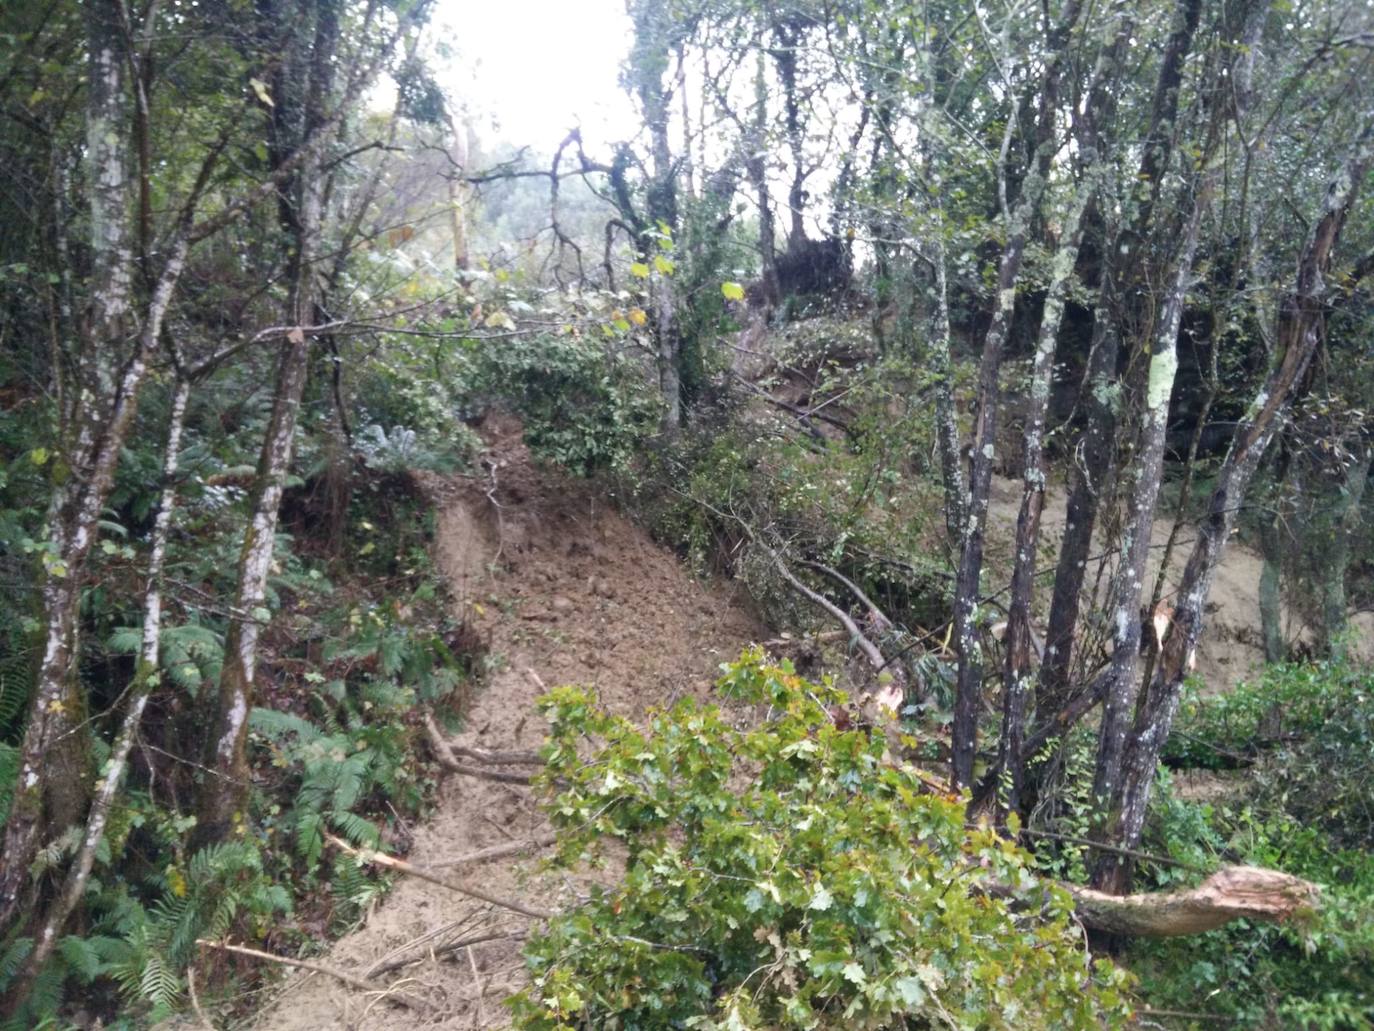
(1232, 893)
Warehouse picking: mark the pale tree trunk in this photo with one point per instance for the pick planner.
(1127, 586)
(1018, 640)
(145, 679)
(648, 65)
(1300, 329)
(55, 770)
(225, 787)
(1093, 471)
(941, 366)
(458, 194)
(968, 688)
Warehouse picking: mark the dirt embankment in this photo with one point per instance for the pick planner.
(561, 585)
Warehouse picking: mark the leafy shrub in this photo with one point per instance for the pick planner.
(1308, 729)
(583, 406)
(788, 876)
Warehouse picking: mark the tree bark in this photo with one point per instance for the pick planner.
(1300, 329)
(78, 874)
(1093, 474)
(224, 789)
(1128, 582)
(968, 687)
(1018, 640)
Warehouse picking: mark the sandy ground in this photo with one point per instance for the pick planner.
(561, 585)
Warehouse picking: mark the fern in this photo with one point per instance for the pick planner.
(81, 956)
(9, 777)
(158, 983)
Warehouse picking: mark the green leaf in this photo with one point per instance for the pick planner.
(640, 270)
(732, 291)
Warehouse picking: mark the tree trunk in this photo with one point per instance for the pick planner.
(78, 874)
(1300, 329)
(1345, 519)
(1232, 893)
(1093, 474)
(968, 688)
(1121, 687)
(1018, 639)
(225, 787)
(55, 764)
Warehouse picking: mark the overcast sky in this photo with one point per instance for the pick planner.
(535, 68)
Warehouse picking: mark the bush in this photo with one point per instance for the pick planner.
(1308, 730)
(789, 876)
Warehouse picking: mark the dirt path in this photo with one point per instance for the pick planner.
(562, 585)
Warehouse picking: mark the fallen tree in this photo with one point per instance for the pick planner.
(1232, 893)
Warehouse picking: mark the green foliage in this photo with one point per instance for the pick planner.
(1302, 734)
(141, 940)
(582, 405)
(1319, 975)
(788, 876)
(1308, 730)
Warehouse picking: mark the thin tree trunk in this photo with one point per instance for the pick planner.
(145, 678)
(1271, 572)
(225, 787)
(1345, 522)
(756, 168)
(1120, 694)
(1300, 330)
(968, 688)
(1093, 473)
(1018, 639)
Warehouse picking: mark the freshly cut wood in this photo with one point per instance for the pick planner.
(1232, 893)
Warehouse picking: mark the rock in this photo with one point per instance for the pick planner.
(561, 605)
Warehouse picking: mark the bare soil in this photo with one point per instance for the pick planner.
(564, 588)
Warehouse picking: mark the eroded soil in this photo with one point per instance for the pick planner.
(563, 587)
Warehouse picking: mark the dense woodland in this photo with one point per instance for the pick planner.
(264, 285)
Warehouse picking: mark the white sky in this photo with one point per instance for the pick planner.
(529, 70)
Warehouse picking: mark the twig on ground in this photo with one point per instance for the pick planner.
(441, 950)
(510, 848)
(369, 855)
(353, 980)
(195, 1000)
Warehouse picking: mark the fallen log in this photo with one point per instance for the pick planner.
(1232, 893)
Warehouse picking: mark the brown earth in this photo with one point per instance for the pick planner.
(562, 586)
(1231, 648)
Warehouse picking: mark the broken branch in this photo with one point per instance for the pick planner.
(369, 855)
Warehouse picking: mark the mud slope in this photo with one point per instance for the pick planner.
(559, 584)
